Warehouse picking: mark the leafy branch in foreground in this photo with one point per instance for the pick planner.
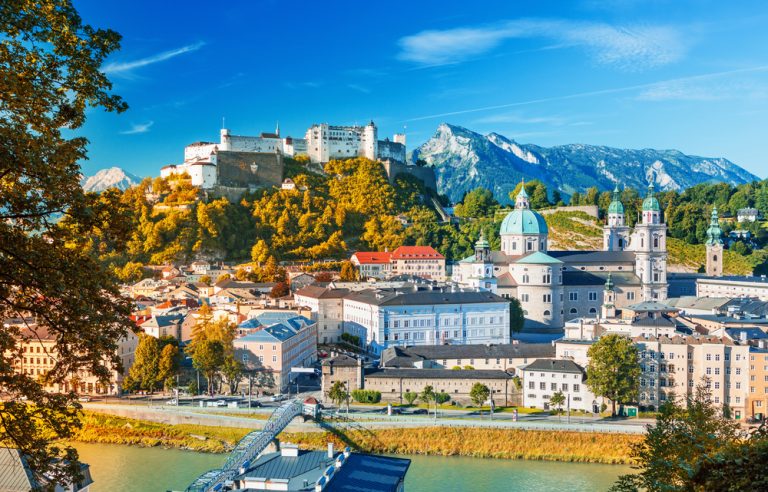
(49, 75)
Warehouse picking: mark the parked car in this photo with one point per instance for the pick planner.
(278, 397)
(397, 411)
(420, 411)
(172, 402)
(84, 398)
(255, 404)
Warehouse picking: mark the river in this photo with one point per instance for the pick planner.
(134, 469)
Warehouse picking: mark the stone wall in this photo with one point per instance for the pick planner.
(249, 169)
(426, 174)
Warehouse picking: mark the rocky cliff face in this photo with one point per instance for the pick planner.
(464, 160)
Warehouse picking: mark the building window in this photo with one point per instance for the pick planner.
(593, 296)
(524, 297)
(547, 312)
(630, 296)
(573, 296)
(547, 298)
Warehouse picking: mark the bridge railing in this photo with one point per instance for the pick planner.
(248, 448)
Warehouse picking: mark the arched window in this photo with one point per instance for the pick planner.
(655, 241)
(547, 313)
(574, 311)
(714, 257)
(592, 310)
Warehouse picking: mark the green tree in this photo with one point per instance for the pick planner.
(410, 397)
(260, 252)
(516, 316)
(479, 393)
(168, 365)
(338, 393)
(613, 371)
(145, 371)
(233, 371)
(692, 447)
(428, 396)
(477, 203)
(50, 74)
(206, 279)
(557, 400)
(208, 358)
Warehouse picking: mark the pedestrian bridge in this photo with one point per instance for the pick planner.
(248, 449)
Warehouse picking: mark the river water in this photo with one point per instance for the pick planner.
(134, 469)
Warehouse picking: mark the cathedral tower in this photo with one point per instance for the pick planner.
(714, 246)
(650, 245)
(615, 231)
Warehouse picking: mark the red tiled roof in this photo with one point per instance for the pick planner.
(421, 252)
(373, 257)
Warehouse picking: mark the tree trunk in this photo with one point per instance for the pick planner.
(613, 408)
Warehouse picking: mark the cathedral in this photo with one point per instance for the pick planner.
(556, 286)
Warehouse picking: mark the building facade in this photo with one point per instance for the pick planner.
(545, 377)
(733, 286)
(384, 318)
(556, 286)
(327, 307)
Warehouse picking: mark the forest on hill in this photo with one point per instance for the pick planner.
(350, 205)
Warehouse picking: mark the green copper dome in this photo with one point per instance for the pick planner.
(616, 207)
(714, 233)
(523, 221)
(651, 204)
(482, 242)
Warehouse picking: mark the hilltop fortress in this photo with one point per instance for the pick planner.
(238, 163)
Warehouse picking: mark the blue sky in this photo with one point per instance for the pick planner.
(626, 73)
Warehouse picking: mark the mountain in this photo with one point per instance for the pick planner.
(464, 160)
(114, 177)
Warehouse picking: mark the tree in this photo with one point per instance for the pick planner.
(280, 289)
(557, 400)
(477, 203)
(613, 371)
(50, 74)
(168, 365)
(208, 358)
(410, 397)
(260, 252)
(516, 316)
(479, 394)
(348, 272)
(233, 372)
(324, 277)
(206, 279)
(338, 393)
(145, 371)
(692, 447)
(428, 395)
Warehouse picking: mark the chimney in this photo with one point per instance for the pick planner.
(330, 451)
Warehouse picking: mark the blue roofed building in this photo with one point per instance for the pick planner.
(279, 346)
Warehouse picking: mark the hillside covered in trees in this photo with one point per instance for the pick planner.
(350, 205)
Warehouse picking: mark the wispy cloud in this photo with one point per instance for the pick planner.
(615, 90)
(128, 66)
(521, 119)
(138, 128)
(310, 84)
(628, 47)
(359, 88)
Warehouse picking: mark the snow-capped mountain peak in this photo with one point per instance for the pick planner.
(113, 177)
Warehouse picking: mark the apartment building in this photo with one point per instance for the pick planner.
(281, 346)
(327, 307)
(420, 261)
(38, 356)
(672, 367)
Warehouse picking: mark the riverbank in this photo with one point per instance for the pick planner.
(566, 446)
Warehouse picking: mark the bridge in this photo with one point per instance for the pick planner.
(248, 449)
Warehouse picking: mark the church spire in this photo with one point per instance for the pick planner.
(714, 233)
(521, 200)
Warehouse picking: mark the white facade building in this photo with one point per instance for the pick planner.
(545, 377)
(384, 318)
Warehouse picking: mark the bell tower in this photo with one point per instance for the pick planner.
(714, 246)
(649, 242)
(615, 231)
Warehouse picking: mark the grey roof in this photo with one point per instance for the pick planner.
(661, 322)
(555, 365)
(693, 302)
(342, 361)
(728, 319)
(506, 351)
(579, 277)
(369, 473)
(438, 374)
(651, 306)
(321, 292)
(750, 333)
(419, 298)
(274, 465)
(737, 278)
(604, 257)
